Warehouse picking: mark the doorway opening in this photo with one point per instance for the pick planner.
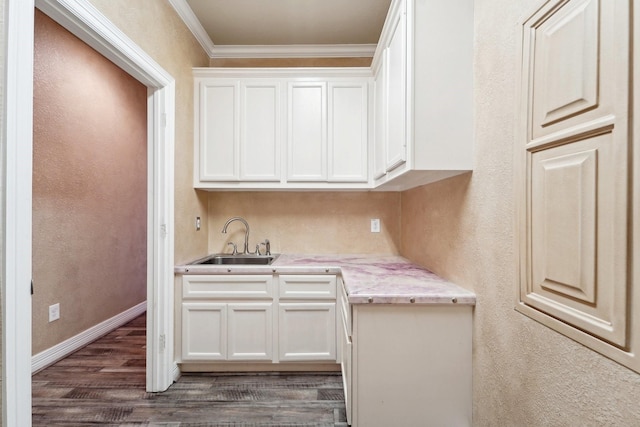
(90, 26)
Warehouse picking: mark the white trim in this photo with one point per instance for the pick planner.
(193, 23)
(60, 351)
(17, 146)
(88, 24)
(294, 51)
(266, 51)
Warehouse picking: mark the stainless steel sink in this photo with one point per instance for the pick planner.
(228, 259)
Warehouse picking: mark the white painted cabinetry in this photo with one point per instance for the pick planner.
(407, 364)
(238, 130)
(307, 317)
(282, 128)
(256, 318)
(226, 318)
(424, 76)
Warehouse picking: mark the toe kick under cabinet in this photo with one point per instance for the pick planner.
(262, 319)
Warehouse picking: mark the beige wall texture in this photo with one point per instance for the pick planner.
(89, 186)
(307, 222)
(524, 374)
(156, 28)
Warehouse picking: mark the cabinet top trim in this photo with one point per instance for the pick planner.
(289, 72)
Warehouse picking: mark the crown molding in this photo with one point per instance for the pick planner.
(266, 51)
(294, 51)
(186, 14)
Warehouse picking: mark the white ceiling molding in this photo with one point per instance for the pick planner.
(192, 22)
(266, 51)
(295, 51)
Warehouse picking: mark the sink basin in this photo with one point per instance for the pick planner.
(228, 259)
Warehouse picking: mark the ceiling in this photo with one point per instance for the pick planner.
(311, 24)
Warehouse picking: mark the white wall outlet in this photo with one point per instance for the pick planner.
(375, 225)
(54, 312)
(198, 223)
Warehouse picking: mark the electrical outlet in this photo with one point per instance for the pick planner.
(375, 225)
(198, 223)
(54, 312)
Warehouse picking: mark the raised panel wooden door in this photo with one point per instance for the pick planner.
(250, 331)
(218, 130)
(260, 131)
(204, 331)
(348, 132)
(307, 131)
(574, 175)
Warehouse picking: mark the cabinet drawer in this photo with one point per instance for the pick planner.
(307, 287)
(226, 287)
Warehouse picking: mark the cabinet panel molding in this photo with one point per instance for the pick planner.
(574, 175)
(218, 131)
(567, 45)
(307, 134)
(260, 131)
(204, 331)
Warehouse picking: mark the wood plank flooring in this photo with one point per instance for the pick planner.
(104, 384)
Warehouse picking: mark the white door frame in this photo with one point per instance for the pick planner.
(88, 24)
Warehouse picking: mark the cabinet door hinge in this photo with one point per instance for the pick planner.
(163, 343)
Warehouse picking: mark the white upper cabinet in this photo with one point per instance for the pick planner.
(307, 131)
(217, 130)
(403, 122)
(260, 131)
(424, 79)
(260, 128)
(348, 132)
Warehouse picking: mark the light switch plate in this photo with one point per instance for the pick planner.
(54, 312)
(375, 225)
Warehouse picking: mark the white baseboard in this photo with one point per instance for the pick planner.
(60, 351)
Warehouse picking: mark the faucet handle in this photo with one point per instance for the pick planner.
(235, 248)
(267, 247)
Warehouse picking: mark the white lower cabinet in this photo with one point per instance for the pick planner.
(257, 318)
(226, 318)
(307, 318)
(250, 329)
(407, 364)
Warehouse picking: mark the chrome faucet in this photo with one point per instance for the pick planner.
(246, 232)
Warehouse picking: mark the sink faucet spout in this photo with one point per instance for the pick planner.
(246, 232)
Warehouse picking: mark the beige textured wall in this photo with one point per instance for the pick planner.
(156, 28)
(307, 222)
(89, 186)
(462, 228)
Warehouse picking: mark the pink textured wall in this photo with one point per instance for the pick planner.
(89, 186)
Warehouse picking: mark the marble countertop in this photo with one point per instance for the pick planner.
(368, 279)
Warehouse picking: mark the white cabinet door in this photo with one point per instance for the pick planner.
(380, 119)
(307, 331)
(348, 132)
(307, 131)
(260, 129)
(217, 130)
(396, 78)
(250, 331)
(204, 331)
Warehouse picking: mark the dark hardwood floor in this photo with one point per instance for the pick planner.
(104, 384)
